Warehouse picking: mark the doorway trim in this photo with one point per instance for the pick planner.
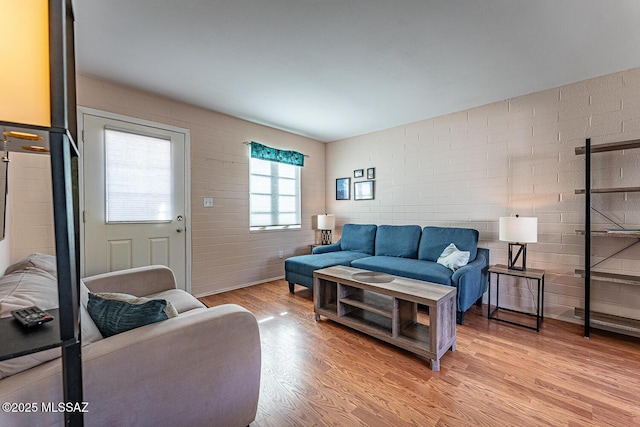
(82, 111)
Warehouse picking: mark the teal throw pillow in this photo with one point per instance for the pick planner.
(114, 313)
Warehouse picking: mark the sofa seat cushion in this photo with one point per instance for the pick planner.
(398, 240)
(406, 267)
(181, 300)
(435, 239)
(306, 264)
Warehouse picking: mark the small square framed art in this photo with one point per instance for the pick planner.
(371, 173)
(363, 190)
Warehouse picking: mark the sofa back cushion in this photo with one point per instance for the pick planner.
(434, 240)
(27, 287)
(44, 262)
(398, 240)
(358, 238)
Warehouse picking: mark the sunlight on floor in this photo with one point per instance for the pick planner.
(266, 319)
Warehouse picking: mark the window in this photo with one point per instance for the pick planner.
(138, 177)
(274, 192)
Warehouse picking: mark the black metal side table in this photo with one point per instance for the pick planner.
(18, 341)
(532, 273)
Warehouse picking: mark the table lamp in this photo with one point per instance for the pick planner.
(326, 223)
(518, 231)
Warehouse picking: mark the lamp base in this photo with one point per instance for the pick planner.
(326, 237)
(512, 261)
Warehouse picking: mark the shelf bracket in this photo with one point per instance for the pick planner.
(616, 253)
(607, 218)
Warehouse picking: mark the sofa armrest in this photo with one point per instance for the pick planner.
(477, 264)
(471, 282)
(200, 368)
(334, 247)
(140, 281)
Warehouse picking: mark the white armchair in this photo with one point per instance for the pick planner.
(199, 368)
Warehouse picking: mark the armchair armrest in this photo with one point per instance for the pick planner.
(334, 247)
(194, 367)
(140, 281)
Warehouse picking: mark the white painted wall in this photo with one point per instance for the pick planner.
(516, 156)
(5, 244)
(463, 169)
(225, 253)
(30, 222)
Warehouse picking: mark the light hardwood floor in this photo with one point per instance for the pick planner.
(324, 374)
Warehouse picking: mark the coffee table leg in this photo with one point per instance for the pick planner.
(435, 365)
(317, 317)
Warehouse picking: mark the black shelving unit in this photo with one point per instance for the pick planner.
(607, 321)
(60, 137)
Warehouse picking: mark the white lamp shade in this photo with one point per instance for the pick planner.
(518, 229)
(326, 222)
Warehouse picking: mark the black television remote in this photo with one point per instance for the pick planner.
(31, 316)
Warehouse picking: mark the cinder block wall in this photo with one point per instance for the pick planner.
(463, 169)
(225, 253)
(512, 157)
(29, 221)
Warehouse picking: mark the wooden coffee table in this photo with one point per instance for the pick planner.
(386, 307)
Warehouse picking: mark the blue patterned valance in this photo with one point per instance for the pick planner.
(259, 151)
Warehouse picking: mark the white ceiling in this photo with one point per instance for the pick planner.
(330, 69)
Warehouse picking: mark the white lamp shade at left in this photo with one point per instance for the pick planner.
(326, 222)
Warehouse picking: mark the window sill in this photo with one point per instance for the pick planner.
(275, 228)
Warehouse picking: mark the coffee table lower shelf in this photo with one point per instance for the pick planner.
(388, 311)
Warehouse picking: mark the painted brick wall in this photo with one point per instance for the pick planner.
(225, 254)
(512, 157)
(462, 169)
(30, 219)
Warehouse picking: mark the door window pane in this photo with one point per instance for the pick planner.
(138, 177)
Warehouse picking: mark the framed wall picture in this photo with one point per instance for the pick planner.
(363, 190)
(343, 188)
(358, 173)
(371, 173)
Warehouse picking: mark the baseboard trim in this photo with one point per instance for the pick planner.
(244, 285)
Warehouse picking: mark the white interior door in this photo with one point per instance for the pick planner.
(135, 197)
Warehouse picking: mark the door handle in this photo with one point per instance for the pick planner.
(179, 229)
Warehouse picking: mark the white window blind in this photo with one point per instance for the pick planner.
(138, 177)
(274, 194)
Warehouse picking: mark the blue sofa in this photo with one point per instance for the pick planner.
(401, 250)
